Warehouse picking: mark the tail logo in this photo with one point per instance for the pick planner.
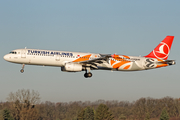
(162, 51)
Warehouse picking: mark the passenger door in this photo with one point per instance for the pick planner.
(23, 53)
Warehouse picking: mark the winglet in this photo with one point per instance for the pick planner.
(113, 55)
(162, 50)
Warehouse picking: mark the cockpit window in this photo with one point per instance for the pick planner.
(13, 52)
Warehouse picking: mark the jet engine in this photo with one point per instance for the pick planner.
(72, 67)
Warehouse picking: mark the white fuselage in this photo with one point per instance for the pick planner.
(61, 58)
(78, 61)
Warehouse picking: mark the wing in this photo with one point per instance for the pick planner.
(93, 62)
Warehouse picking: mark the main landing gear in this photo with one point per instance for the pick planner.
(88, 74)
(22, 70)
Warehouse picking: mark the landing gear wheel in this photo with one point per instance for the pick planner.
(21, 70)
(85, 75)
(88, 75)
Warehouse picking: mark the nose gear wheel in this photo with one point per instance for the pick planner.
(22, 70)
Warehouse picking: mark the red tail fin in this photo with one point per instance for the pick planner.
(163, 49)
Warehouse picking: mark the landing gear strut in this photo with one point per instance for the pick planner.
(22, 70)
(88, 74)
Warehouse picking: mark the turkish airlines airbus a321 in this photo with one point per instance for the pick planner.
(78, 61)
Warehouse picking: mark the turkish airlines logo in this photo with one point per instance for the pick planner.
(161, 51)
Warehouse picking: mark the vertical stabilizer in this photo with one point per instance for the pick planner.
(163, 49)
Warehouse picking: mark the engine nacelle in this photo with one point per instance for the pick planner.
(72, 67)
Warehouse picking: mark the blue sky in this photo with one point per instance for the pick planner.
(119, 26)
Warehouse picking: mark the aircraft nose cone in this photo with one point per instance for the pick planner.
(5, 57)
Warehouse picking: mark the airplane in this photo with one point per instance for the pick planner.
(79, 61)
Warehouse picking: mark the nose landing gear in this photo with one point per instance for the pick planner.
(22, 70)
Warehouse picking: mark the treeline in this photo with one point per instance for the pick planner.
(25, 105)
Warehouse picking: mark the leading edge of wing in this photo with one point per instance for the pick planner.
(96, 60)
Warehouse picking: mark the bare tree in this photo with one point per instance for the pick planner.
(24, 95)
(23, 104)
